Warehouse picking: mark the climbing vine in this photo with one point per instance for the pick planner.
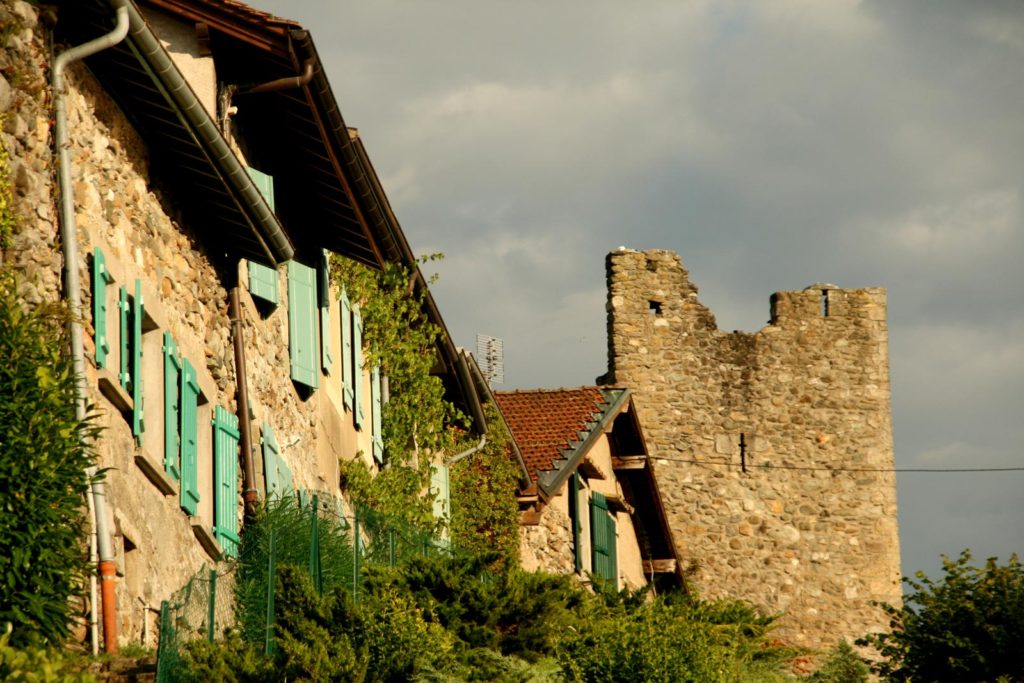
(485, 514)
(417, 422)
(6, 197)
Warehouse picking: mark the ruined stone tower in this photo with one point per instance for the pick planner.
(767, 444)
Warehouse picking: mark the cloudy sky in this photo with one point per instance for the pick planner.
(772, 144)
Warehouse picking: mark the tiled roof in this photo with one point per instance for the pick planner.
(548, 424)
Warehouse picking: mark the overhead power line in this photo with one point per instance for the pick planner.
(770, 466)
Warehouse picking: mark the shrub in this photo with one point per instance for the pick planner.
(967, 626)
(44, 451)
(38, 665)
(841, 666)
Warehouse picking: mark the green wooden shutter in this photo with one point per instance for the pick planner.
(264, 183)
(357, 367)
(602, 539)
(375, 422)
(439, 487)
(172, 421)
(270, 462)
(124, 376)
(302, 324)
(138, 398)
(323, 283)
(346, 350)
(100, 279)
(574, 518)
(263, 282)
(189, 409)
(225, 500)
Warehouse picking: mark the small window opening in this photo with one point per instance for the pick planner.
(743, 452)
(652, 265)
(824, 303)
(655, 308)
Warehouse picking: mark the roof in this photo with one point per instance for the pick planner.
(555, 428)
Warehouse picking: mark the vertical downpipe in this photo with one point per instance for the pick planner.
(242, 400)
(72, 292)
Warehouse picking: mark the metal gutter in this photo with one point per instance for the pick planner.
(266, 228)
(72, 293)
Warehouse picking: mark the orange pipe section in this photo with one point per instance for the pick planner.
(108, 579)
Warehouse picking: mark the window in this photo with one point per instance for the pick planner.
(100, 279)
(172, 419)
(302, 324)
(574, 518)
(375, 414)
(347, 381)
(225, 480)
(130, 314)
(189, 438)
(357, 367)
(323, 282)
(604, 553)
(276, 474)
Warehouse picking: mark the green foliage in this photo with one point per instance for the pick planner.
(967, 626)
(7, 217)
(504, 609)
(485, 514)
(38, 665)
(416, 419)
(44, 451)
(841, 666)
(291, 525)
(671, 639)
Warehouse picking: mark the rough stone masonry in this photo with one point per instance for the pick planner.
(772, 449)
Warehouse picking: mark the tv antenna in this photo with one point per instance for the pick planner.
(490, 355)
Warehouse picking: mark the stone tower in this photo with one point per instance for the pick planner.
(772, 448)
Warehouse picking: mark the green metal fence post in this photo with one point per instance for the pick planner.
(164, 646)
(268, 647)
(212, 615)
(355, 555)
(314, 549)
(391, 547)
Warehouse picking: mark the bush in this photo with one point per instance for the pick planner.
(841, 666)
(44, 451)
(968, 626)
(38, 665)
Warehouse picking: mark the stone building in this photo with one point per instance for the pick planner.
(210, 176)
(590, 503)
(773, 449)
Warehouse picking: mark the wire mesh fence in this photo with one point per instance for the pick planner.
(311, 532)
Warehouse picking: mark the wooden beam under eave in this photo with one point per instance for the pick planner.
(629, 462)
(659, 566)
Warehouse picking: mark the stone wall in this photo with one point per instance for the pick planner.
(803, 403)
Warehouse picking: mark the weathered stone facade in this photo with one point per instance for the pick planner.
(773, 449)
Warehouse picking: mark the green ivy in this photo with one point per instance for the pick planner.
(485, 513)
(418, 423)
(44, 451)
(7, 220)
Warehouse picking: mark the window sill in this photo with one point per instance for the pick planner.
(156, 475)
(206, 539)
(113, 391)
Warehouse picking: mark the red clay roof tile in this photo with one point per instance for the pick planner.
(544, 421)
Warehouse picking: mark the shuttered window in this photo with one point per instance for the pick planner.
(439, 487)
(375, 415)
(574, 518)
(346, 350)
(276, 474)
(189, 409)
(302, 324)
(264, 183)
(263, 282)
(138, 398)
(225, 481)
(124, 375)
(172, 421)
(323, 284)
(100, 279)
(603, 539)
(357, 367)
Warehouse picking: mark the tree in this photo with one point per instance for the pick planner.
(968, 626)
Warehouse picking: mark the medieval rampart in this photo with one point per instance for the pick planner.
(772, 448)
